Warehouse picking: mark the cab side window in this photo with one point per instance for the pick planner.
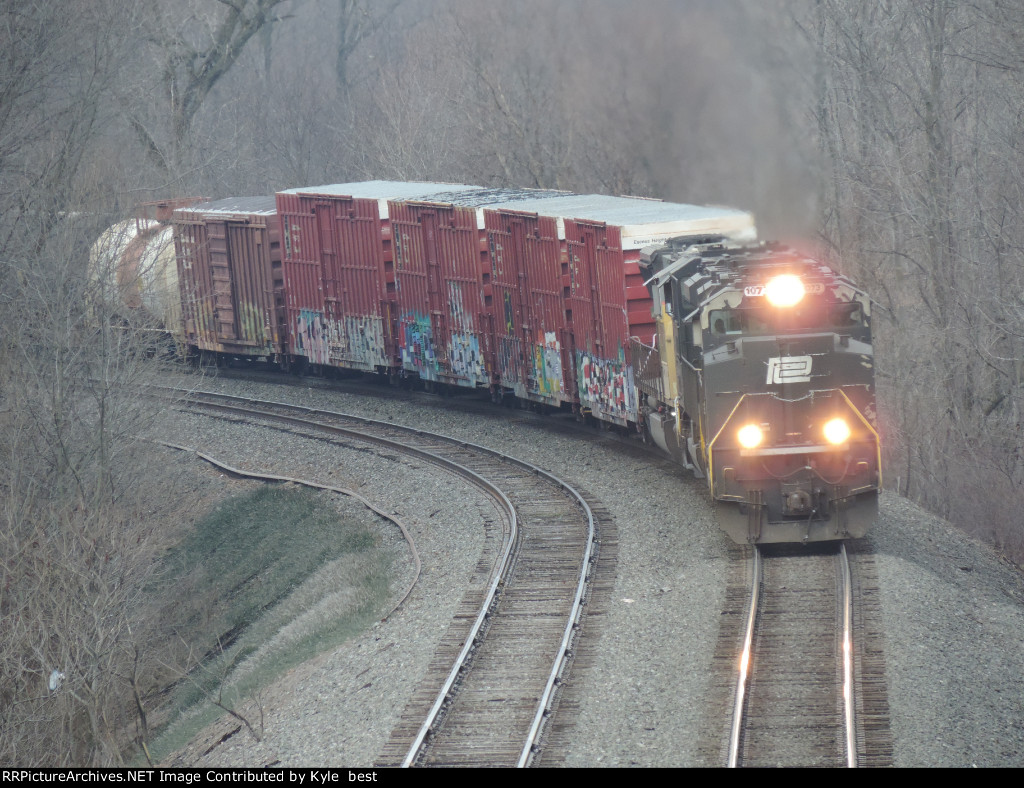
(727, 321)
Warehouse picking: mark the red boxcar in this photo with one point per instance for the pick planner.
(536, 293)
(445, 327)
(532, 355)
(606, 303)
(229, 274)
(339, 272)
(479, 294)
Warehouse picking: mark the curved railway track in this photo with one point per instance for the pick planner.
(803, 697)
(492, 684)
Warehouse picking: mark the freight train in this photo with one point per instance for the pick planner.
(749, 364)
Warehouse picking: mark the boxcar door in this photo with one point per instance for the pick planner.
(435, 277)
(302, 277)
(251, 288)
(357, 289)
(504, 245)
(582, 288)
(605, 378)
(327, 241)
(223, 287)
(544, 326)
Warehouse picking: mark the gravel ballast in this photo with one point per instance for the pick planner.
(952, 610)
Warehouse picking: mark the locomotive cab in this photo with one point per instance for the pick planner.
(770, 389)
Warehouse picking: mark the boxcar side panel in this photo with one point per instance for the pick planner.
(604, 375)
(230, 280)
(529, 309)
(443, 322)
(352, 264)
(191, 250)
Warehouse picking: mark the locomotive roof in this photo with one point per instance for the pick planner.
(706, 269)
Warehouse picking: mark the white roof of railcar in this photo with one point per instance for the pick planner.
(382, 191)
(259, 206)
(643, 220)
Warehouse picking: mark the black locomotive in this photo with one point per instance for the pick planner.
(761, 380)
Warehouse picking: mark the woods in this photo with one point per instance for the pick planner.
(919, 112)
(887, 135)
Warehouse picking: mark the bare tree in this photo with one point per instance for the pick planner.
(77, 521)
(358, 21)
(193, 48)
(913, 112)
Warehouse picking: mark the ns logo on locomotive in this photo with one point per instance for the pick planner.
(762, 381)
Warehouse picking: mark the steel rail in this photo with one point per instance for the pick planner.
(543, 707)
(498, 575)
(741, 684)
(471, 639)
(544, 704)
(846, 602)
(848, 690)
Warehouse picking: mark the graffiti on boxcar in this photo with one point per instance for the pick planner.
(606, 386)
(509, 355)
(253, 324)
(461, 319)
(547, 365)
(497, 258)
(510, 322)
(465, 357)
(417, 346)
(357, 341)
(400, 240)
(292, 235)
(466, 360)
(573, 261)
(310, 338)
(203, 311)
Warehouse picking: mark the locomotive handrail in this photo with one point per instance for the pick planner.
(711, 446)
(872, 430)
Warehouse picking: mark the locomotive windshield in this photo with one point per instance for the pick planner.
(812, 315)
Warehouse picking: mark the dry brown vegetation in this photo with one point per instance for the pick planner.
(888, 132)
(919, 118)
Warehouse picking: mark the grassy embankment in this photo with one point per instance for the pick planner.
(266, 581)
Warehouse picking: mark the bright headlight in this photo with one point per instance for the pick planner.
(837, 431)
(750, 437)
(785, 290)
